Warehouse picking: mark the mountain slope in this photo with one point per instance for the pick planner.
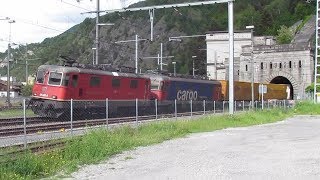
(266, 15)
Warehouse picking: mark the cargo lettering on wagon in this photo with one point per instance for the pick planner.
(187, 95)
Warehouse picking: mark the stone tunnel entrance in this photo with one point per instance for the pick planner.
(283, 80)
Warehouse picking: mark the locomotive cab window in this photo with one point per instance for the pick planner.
(115, 82)
(163, 86)
(155, 85)
(65, 80)
(40, 76)
(94, 81)
(55, 78)
(74, 80)
(133, 84)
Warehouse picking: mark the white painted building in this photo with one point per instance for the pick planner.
(272, 63)
(12, 79)
(13, 94)
(218, 53)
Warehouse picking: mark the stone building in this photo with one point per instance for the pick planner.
(291, 64)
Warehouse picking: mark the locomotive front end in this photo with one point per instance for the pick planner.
(49, 93)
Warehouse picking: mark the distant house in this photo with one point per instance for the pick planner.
(15, 89)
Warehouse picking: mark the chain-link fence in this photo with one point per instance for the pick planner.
(41, 121)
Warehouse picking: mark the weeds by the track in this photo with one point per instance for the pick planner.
(101, 144)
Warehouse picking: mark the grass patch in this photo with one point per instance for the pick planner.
(10, 113)
(101, 144)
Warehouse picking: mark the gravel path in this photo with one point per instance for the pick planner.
(285, 150)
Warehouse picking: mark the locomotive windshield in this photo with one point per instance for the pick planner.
(40, 76)
(155, 84)
(55, 78)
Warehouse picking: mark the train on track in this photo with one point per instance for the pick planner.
(90, 87)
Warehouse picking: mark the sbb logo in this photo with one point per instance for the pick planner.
(187, 95)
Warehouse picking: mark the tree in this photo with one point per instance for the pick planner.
(285, 35)
(26, 90)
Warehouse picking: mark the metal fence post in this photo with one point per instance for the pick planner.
(284, 104)
(243, 105)
(71, 116)
(24, 124)
(175, 109)
(214, 107)
(256, 105)
(137, 111)
(156, 105)
(268, 104)
(107, 112)
(204, 106)
(235, 106)
(191, 107)
(222, 106)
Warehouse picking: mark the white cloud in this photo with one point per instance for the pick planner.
(39, 19)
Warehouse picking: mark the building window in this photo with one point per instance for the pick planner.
(94, 81)
(115, 82)
(290, 64)
(261, 65)
(271, 65)
(246, 67)
(133, 84)
(300, 64)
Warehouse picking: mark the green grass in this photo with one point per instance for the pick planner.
(15, 113)
(101, 144)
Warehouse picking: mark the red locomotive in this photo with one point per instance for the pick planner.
(55, 86)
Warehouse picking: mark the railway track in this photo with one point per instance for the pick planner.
(20, 121)
(44, 146)
(15, 126)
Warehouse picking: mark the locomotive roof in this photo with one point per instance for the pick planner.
(191, 80)
(67, 69)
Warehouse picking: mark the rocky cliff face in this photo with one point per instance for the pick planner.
(119, 54)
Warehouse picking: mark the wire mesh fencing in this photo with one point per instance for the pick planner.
(42, 121)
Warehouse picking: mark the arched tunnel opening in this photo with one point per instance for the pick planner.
(283, 80)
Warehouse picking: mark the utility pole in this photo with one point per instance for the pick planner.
(27, 64)
(136, 63)
(231, 57)
(97, 32)
(8, 65)
(8, 74)
(193, 69)
(161, 49)
(174, 68)
(136, 49)
(252, 66)
(151, 14)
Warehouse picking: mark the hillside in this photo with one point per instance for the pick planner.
(266, 15)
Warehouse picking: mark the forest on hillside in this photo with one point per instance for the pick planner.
(266, 15)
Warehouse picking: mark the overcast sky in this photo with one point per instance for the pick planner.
(36, 20)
